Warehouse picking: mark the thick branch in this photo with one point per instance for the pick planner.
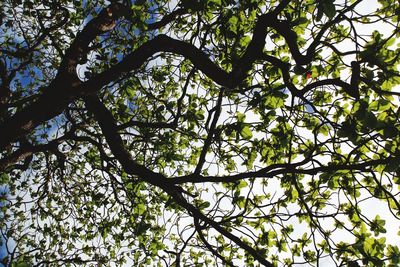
(336, 81)
(279, 169)
(27, 150)
(109, 129)
(67, 87)
(61, 91)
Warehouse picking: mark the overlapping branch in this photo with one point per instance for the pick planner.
(114, 140)
(66, 87)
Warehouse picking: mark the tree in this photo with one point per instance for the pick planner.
(199, 133)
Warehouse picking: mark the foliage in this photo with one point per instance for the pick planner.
(198, 133)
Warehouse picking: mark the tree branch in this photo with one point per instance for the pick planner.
(211, 133)
(208, 245)
(166, 19)
(60, 91)
(279, 169)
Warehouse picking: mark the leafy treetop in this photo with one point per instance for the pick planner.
(197, 133)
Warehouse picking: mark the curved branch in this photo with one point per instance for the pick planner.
(336, 81)
(109, 129)
(197, 214)
(208, 245)
(166, 19)
(66, 87)
(60, 91)
(278, 169)
(27, 150)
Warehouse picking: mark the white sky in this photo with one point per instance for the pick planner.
(372, 207)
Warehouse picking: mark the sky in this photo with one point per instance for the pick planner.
(378, 206)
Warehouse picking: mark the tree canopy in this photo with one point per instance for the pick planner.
(200, 133)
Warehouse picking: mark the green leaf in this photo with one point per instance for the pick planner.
(4, 178)
(204, 205)
(320, 12)
(370, 120)
(380, 105)
(329, 8)
(246, 133)
(20, 264)
(390, 131)
(242, 184)
(140, 208)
